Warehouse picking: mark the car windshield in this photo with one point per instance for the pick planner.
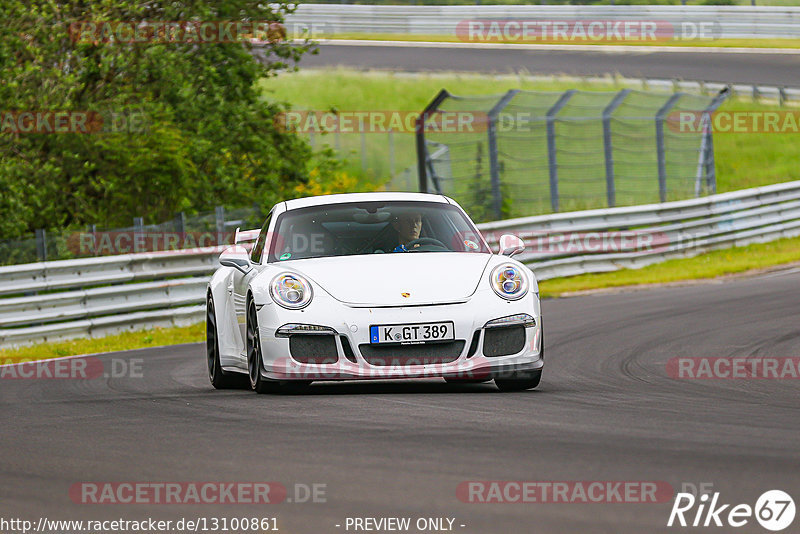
(373, 228)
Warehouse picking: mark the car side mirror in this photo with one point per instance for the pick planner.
(236, 257)
(510, 245)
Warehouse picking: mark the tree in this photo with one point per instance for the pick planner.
(184, 125)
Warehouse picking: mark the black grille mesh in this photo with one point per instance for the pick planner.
(431, 353)
(306, 348)
(503, 341)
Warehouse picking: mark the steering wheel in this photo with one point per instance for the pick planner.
(422, 241)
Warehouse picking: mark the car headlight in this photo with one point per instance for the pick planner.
(291, 291)
(509, 282)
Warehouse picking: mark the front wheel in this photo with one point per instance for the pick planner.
(218, 378)
(519, 381)
(254, 359)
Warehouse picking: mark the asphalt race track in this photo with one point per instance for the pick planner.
(723, 67)
(606, 410)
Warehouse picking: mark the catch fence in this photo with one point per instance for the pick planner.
(532, 152)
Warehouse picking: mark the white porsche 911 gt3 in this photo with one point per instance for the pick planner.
(372, 286)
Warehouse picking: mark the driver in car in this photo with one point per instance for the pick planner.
(408, 226)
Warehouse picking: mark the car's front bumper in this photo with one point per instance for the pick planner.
(467, 357)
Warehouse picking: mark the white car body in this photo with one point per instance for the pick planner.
(352, 293)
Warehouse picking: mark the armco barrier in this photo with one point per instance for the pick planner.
(91, 297)
(56, 300)
(723, 22)
(674, 229)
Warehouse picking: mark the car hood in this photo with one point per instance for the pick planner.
(383, 279)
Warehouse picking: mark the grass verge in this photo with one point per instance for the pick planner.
(139, 339)
(706, 266)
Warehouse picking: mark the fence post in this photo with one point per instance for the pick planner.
(93, 231)
(705, 163)
(611, 194)
(41, 244)
(662, 156)
(180, 228)
(138, 229)
(219, 217)
(180, 223)
(710, 170)
(422, 150)
(551, 146)
(494, 168)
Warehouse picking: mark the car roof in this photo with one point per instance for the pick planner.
(364, 197)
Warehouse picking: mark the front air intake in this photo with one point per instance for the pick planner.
(403, 355)
(311, 348)
(503, 341)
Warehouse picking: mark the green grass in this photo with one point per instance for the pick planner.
(742, 160)
(721, 43)
(710, 265)
(125, 341)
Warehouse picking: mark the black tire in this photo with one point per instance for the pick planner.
(218, 378)
(254, 359)
(521, 380)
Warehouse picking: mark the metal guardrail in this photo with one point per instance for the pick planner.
(723, 22)
(49, 301)
(647, 234)
(91, 297)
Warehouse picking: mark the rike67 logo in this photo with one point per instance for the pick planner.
(774, 510)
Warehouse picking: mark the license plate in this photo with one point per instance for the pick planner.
(411, 333)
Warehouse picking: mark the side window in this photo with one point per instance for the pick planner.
(258, 249)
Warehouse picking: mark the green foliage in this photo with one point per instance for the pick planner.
(560, 2)
(208, 137)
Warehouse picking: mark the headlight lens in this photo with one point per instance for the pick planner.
(291, 291)
(509, 282)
